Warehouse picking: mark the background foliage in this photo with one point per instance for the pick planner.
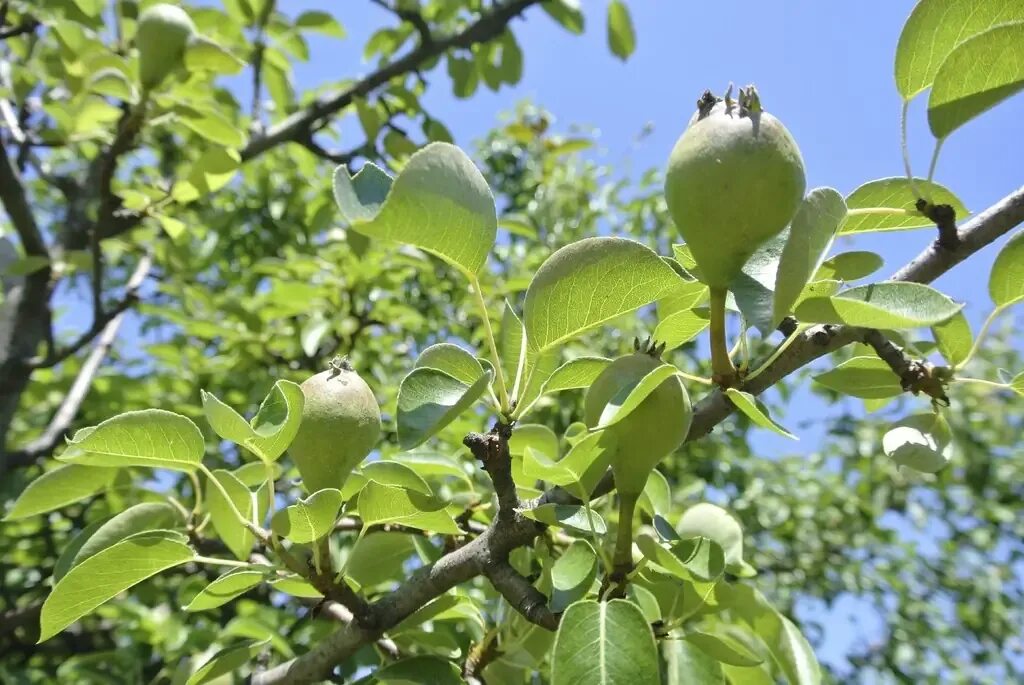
(254, 279)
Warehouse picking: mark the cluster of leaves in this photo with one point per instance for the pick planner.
(413, 505)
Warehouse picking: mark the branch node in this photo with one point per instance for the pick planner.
(944, 217)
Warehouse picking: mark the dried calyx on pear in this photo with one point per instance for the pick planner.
(340, 426)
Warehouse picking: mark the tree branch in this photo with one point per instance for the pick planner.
(521, 594)
(292, 128)
(12, 195)
(492, 451)
(411, 16)
(916, 375)
(65, 416)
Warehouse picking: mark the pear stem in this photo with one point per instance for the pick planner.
(722, 370)
(622, 562)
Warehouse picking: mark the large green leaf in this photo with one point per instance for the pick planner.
(439, 202)
(980, 73)
(140, 518)
(109, 573)
(379, 558)
(388, 504)
(922, 442)
(788, 647)
(419, 669)
(864, 377)
(810, 235)
(954, 338)
(237, 537)
(308, 519)
(589, 282)
(753, 289)
(567, 13)
(687, 664)
(1006, 281)
(453, 360)
(681, 327)
(570, 516)
(723, 648)
(881, 305)
(850, 266)
(621, 36)
(226, 660)
(572, 575)
(151, 437)
(270, 431)
(604, 643)
(429, 399)
(935, 28)
(896, 194)
(222, 590)
(511, 342)
(756, 411)
(576, 373)
(60, 487)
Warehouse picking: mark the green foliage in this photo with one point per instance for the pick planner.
(110, 558)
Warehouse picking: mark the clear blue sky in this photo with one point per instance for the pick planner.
(824, 68)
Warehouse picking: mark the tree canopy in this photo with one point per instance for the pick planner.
(227, 242)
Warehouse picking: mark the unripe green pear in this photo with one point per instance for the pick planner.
(340, 426)
(162, 35)
(735, 179)
(650, 432)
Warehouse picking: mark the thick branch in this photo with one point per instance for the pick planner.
(341, 613)
(12, 195)
(295, 126)
(521, 594)
(492, 451)
(916, 375)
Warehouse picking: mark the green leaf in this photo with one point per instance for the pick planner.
(439, 202)
(568, 516)
(388, 472)
(788, 647)
(152, 437)
(849, 266)
(697, 559)
(864, 377)
(321, 22)
(308, 519)
(631, 395)
(204, 54)
(227, 660)
(715, 523)
(313, 334)
(511, 342)
(224, 589)
(380, 558)
(139, 518)
(387, 504)
(109, 573)
(896, 193)
(453, 360)
(1017, 384)
(681, 327)
(688, 665)
(430, 399)
(237, 537)
(756, 411)
(922, 442)
(954, 338)
(567, 13)
(753, 289)
(656, 498)
(419, 669)
(536, 436)
(604, 643)
(273, 428)
(70, 551)
(810, 236)
(881, 305)
(60, 487)
(1006, 281)
(589, 282)
(572, 575)
(215, 127)
(935, 28)
(723, 648)
(213, 170)
(464, 74)
(621, 36)
(977, 75)
(112, 83)
(576, 373)
(296, 587)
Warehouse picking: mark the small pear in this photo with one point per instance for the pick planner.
(162, 36)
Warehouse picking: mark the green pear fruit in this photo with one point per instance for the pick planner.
(735, 179)
(650, 432)
(340, 426)
(162, 35)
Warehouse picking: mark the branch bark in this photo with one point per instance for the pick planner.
(485, 554)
